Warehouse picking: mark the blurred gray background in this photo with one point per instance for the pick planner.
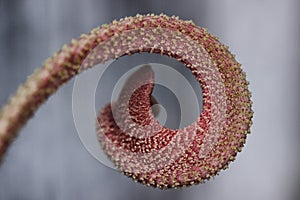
(48, 161)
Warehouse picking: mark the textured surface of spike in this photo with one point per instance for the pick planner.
(167, 158)
(199, 150)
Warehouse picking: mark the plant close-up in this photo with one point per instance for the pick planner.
(149, 100)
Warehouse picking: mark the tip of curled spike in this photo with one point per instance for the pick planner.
(161, 158)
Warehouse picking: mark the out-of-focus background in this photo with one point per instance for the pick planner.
(48, 161)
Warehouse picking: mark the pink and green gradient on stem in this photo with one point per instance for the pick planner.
(225, 96)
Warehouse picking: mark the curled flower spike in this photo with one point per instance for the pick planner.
(129, 133)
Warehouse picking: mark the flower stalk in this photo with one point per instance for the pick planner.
(225, 95)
